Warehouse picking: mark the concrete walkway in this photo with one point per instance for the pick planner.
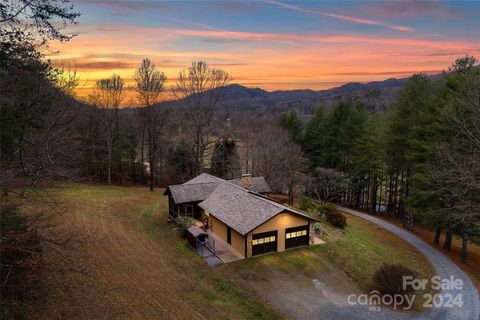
(444, 267)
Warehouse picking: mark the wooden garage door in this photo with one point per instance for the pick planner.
(295, 237)
(264, 242)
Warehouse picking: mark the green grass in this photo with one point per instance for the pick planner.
(364, 248)
(146, 212)
(86, 191)
(358, 251)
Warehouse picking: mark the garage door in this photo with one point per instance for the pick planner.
(295, 237)
(264, 242)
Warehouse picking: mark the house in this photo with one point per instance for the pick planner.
(239, 213)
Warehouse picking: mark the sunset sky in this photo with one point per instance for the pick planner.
(272, 44)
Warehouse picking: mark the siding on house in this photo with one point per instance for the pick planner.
(281, 222)
(220, 229)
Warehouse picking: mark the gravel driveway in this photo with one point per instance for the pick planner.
(444, 268)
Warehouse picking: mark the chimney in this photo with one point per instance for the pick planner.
(247, 180)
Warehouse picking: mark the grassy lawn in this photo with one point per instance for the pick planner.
(358, 251)
(138, 267)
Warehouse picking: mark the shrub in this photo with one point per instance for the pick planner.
(183, 223)
(333, 216)
(327, 208)
(337, 219)
(306, 204)
(388, 279)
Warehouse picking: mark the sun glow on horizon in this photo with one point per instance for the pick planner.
(343, 47)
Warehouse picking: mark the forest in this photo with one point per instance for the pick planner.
(419, 161)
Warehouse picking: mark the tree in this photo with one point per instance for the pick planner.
(108, 95)
(290, 167)
(313, 140)
(455, 173)
(292, 122)
(414, 97)
(225, 160)
(326, 185)
(38, 110)
(199, 90)
(150, 88)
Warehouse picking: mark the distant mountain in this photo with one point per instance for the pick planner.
(377, 96)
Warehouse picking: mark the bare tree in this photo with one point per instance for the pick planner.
(108, 95)
(290, 166)
(150, 86)
(200, 88)
(456, 170)
(264, 147)
(326, 184)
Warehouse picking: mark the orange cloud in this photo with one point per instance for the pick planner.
(268, 60)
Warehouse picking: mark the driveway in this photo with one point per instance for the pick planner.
(326, 297)
(444, 268)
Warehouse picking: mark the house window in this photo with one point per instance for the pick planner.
(189, 210)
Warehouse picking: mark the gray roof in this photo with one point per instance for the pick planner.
(259, 184)
(182, 193)
(196, 231)
(238, 208)
(241, 209)
(204, 178)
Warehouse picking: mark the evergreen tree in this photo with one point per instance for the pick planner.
(313, 139)
(225, 160)
(414, 98)
(292, 122)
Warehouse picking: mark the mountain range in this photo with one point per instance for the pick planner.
(377, 96)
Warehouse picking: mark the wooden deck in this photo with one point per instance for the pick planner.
(223, 250)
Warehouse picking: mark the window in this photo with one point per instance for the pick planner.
(296, 234)
(189, 210)
(264, 240)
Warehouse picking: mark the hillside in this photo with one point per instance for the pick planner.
(376, 95)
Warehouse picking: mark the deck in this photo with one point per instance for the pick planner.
(223, 250)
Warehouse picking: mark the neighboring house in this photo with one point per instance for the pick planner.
(238, 213)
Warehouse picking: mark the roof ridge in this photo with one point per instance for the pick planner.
(265, 199)
(191, 184)
(228, 182)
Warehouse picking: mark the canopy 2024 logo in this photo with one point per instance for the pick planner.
(448, 295)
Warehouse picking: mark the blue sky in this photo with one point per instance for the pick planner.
(274, 44)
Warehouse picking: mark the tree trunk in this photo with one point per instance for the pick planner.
(142, 173)
(133, 166)
(151, 159)
(438, 232)
(448, 239)
(109, 160)
(407, 213)
(464, 246)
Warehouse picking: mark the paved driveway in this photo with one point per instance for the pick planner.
(444, 267)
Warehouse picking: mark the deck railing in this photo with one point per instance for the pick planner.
(205, 248)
